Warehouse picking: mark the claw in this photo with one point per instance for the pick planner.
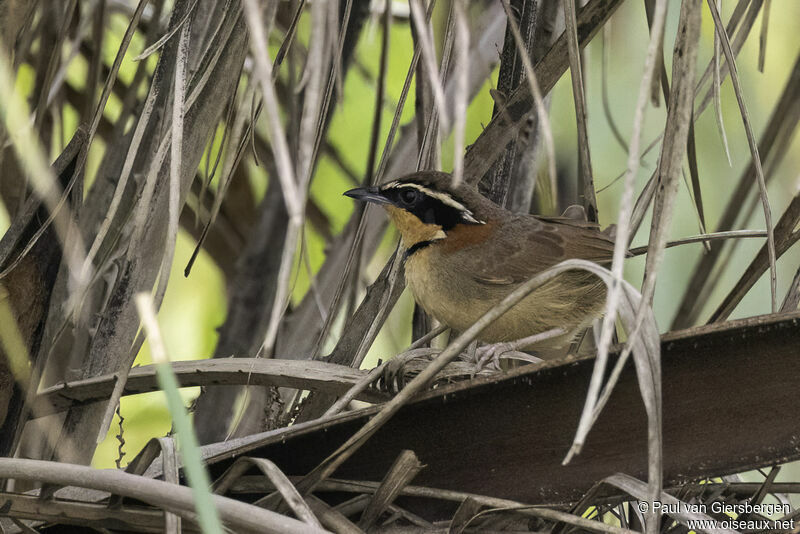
(491, 353)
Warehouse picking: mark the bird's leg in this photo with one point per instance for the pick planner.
(512, 348)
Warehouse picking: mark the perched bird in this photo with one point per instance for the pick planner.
(464, 254)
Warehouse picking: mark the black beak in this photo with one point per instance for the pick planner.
(368, 194)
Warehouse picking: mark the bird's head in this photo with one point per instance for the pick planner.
(425, 206)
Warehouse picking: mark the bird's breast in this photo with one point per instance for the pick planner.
(444, 288)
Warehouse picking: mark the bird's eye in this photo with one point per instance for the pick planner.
(409, 196)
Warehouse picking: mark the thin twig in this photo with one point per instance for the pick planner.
(277, 478)
(379, 94)
(626, 201)
(460, 496)
(762, 40)
(343, 401)
(427, 337)
(296, 373)
(715, 60)
(196, 472)
(429, 60)
(623, 223)
(178, 499)
(461, 73)
(751, 141)
(704, 238)
(585, 179)
(292, 194)
(605, 60)
(167, 36)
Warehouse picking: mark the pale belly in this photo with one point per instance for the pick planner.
(561, 303)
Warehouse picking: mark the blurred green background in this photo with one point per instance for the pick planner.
(195, 307)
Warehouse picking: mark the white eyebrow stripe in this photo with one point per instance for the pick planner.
(444, 198)
(468, 216)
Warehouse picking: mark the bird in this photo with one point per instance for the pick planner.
(464, 254)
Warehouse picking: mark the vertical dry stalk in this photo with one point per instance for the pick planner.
(652, 62)
(626, 201)
(673, 150)
(461, 75)
(429, 60)
(292, 195)
(717, 82)
(679, 117)
(751, 141)
(585, 180)
(541, 109)
(262, 68)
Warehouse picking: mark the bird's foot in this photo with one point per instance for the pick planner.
(512, 350)
(401, 369)
(487, 357)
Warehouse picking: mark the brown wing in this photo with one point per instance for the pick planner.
(526, 245)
